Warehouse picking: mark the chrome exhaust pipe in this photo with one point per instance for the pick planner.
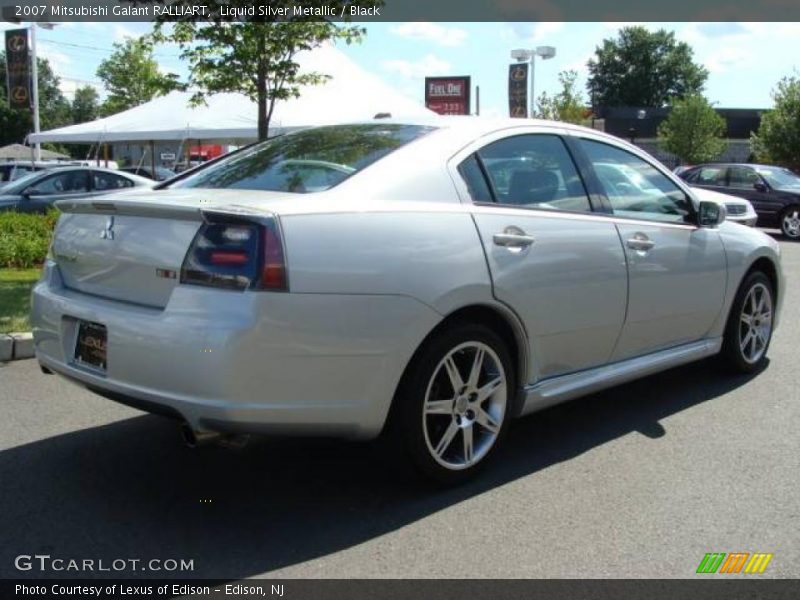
(194, 439)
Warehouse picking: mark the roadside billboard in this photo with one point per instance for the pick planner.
(448, 95)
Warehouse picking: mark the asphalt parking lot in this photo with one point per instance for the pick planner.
(638, 481)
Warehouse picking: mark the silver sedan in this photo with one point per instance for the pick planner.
(431, 280)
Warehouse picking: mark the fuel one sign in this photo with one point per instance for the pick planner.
(448, 95)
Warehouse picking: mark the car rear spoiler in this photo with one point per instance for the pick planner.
(133, 208)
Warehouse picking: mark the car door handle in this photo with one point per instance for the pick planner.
(513, 237)
(640, 242)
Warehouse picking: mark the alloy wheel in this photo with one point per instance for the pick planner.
(790, 224)
(465, 403)
(755, 323)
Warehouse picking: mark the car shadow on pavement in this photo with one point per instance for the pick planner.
(131, 490)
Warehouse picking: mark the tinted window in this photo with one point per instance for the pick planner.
(68, 182)
(108, 181)
(634, 187)
(476, 183)
(534, 171)
(707, 176)
(307, 161)
(742, 177)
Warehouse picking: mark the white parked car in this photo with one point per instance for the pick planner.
(432, 278)
(738, 210)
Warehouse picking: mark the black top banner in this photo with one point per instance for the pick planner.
(518, 90)
(399, 10)
(18, 68)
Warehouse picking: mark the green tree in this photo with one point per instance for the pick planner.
(567, 105)
(693, 131)
(256, 59)
(778, 137)
(131, 76)
(643, 68)
(54, 109)
(85, 104)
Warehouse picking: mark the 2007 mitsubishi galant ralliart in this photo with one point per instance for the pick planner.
(435, 279)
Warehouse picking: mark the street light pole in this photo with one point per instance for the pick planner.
(533, 98)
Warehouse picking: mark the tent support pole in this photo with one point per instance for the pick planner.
(153, 157)
(105, 154)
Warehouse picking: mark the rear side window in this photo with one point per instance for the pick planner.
(313, 160)
(476, 183)
(707, 176)
(102, 181)
(534, 171)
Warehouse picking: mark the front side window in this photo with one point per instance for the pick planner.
(313, 160)
(534, 171)
(634, 187)
(743, 178)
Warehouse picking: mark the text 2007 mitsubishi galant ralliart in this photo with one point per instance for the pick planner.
(432, 278)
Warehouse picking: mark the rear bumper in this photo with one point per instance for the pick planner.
(304, 364)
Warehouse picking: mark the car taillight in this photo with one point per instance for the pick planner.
(236, 254)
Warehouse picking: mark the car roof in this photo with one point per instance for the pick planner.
(131, 176)
(753, 165)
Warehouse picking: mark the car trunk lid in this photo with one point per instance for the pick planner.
(130, 248)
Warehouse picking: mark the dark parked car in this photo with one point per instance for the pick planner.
(37, 191)
(773, 191)
(161, 173)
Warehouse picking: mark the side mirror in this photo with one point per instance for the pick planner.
(760, 187)
(28, 192)
(710, 214)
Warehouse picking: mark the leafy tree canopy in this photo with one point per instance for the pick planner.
(693, 131)
(643, 68)
(131, 76)
(567, 105)
(255, 58)
(85, 104)
(778, 137)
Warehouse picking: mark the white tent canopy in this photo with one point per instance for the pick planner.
(351, 94)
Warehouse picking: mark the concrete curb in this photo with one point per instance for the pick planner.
(16, 346)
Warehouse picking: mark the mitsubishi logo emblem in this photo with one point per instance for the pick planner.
(108, 232)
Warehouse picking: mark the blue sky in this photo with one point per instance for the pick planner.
(745, 60)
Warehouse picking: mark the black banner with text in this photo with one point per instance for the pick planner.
(18, 68)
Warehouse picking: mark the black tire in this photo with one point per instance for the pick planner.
(425, 370)
(790, 232)
(733, 356)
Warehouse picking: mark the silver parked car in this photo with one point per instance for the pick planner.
(38, 191)
(435, 279)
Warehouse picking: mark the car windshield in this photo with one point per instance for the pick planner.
(779, 178)
(19, 184)
(312, 160)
